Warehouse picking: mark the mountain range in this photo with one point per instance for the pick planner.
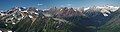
(64, 19)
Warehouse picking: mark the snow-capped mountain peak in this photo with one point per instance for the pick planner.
(108, 9)
(86, 8)
(105, 10)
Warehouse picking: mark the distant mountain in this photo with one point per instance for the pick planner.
(64, 12)
(113, 24)
(91, 18)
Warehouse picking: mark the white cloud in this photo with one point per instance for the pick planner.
(69, 4)
(62, 5)
(39, 4)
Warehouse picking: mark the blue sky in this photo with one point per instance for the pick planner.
(43, 4)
